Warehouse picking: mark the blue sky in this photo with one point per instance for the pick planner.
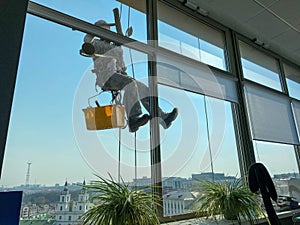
(47, 124)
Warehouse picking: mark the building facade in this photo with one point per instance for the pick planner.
(179, 202)
(68, 211)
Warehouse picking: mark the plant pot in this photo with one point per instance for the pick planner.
(230, 216)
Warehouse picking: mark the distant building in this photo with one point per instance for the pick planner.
(25, 212)
(142, 182)
(68, 212)
(294, 188)
(174, 182)
(209, 176)
(178, 202)
(286, 175)
(282, 187)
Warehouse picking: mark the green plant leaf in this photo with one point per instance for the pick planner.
(116, 204)
(232, 200)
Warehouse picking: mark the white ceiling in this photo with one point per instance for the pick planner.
(274, 22)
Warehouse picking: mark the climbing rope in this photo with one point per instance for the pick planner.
(120, 132)
(133, 75)
(119, 159)
(121, 10)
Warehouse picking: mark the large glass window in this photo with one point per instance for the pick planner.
(280, 160)
(292, 75)
(259, 67)
(184, 35)
(48, 142)
(201, 142)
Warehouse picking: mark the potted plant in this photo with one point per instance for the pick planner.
(116, 204)
(231, 200)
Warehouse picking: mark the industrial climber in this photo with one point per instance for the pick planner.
(110, 71)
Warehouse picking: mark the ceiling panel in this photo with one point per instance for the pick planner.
(288, 40)
(297, 53)
(288, 10)
(267, 20)
(268, 25)
(241, 10)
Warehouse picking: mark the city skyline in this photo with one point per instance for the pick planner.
(78, 183)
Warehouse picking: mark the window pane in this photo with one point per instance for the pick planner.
(184, 35)
(259, 67)
(195, 77)
(94, 10)
(48, 143)
(280, 160)
(222, 137)
(199, 144)
(270, 115)
(293, 80)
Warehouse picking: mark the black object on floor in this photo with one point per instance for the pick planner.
(260, 179)
(10, 206)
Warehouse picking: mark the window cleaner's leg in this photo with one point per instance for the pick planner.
(133, 107)
(131, 99)
(166, 119)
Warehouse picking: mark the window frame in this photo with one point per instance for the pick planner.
(282, 78)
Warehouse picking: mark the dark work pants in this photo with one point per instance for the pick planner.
(134, 93)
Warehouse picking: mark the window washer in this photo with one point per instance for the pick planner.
(110, 70)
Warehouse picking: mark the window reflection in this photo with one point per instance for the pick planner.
(259, 67)
(201, 142)
(186, 36)
(280, 160)
(292, 75)
(51, 76)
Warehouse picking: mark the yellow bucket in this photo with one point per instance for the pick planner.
(104, 117)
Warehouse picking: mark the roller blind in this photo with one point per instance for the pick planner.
(257, 57)
(181, 21)
(270, 115)
(187, 24)
(194, 76)
(292, 73)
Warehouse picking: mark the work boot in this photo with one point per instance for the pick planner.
(135, 122)
(168, 118)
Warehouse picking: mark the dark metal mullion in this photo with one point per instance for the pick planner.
(242, 123)
(155, 153)
(236, 108)
(230, 54)
(282, 78)
(238, 137)
(297, 153)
